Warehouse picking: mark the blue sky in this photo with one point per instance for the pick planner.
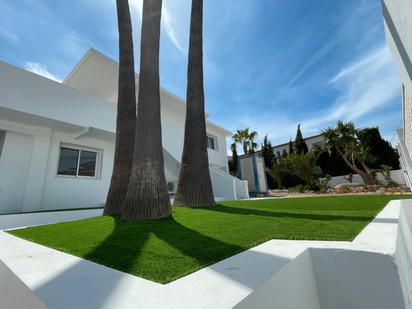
(269, 64)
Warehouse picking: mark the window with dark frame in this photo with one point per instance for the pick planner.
(211, 142)
(2, 139)
(77, 162)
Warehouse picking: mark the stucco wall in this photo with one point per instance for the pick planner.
(60, 192)
(398, 29)
(396, 175)
(32, 188)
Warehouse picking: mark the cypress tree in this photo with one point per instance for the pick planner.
(291, 147)
(300, 144)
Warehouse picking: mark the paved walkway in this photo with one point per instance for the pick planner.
(65, 281)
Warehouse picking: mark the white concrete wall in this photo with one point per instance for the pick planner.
(398, 27)
(292, 287)
(14, 294)
(51, 113)
(403, 253)
(13, 221)
(32, 188)
(356, 279)
(373, 272)
(396, 175)
(63, 192)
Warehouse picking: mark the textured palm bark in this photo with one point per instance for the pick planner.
(147, 196)
(195, 187)
(126, 114)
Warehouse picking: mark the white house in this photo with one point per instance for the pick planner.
(398, 29)
(311, 142)
(57, 139)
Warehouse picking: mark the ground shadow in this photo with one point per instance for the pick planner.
(279, 214)
(87, 285)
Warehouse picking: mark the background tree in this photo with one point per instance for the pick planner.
(345, 140)
(246, 139)
(304, 166)
(147, 194)
(126, 114)
(195, 187)
(233, 163)
(380, 151)
(278, 172)
(291, 147)
(266, 151)
(284, 153)
(300, 144)
(253, 144)
(333, 164)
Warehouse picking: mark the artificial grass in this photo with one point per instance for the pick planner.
(166, 249)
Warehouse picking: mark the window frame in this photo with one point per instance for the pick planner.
(97, 169)
(215, 143)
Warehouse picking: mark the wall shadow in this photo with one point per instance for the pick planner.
(88, 285)
(274, 214)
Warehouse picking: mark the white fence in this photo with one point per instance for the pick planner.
(396, 175)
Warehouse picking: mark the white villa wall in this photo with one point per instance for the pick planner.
(398, 27)
(396, 175)
(403, 253)
(32, 188)
(49, 113)
(64, 192)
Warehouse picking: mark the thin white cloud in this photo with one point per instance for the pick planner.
(40, 69)
(9, 35)
(364, 85)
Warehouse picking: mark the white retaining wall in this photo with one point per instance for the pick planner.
(396, 175)
(403, 253)
(374, 272)
(14, 294)
(39, 218)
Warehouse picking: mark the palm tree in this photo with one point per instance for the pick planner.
(303, 165)
(126, 114)
(246, 139)
(278, 172)
(147, 195)
(345, 140)
(195, 187)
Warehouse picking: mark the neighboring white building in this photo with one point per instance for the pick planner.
(398, 27)
(312, 141)
(57, 139)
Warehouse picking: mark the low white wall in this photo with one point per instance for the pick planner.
(374, 272)
(332, 279)
(396, 175)
(292, 287)
(226, 187)
(356, 279)
(403, 253)
(40, 218)
(14, 294)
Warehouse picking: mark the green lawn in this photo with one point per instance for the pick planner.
(166, 249)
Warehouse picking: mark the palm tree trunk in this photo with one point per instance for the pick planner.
(245, 150)
(147, 196)
(195, 187)
(126, 114)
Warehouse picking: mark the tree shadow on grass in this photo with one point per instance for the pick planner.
(127, 248)
(285, 214)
